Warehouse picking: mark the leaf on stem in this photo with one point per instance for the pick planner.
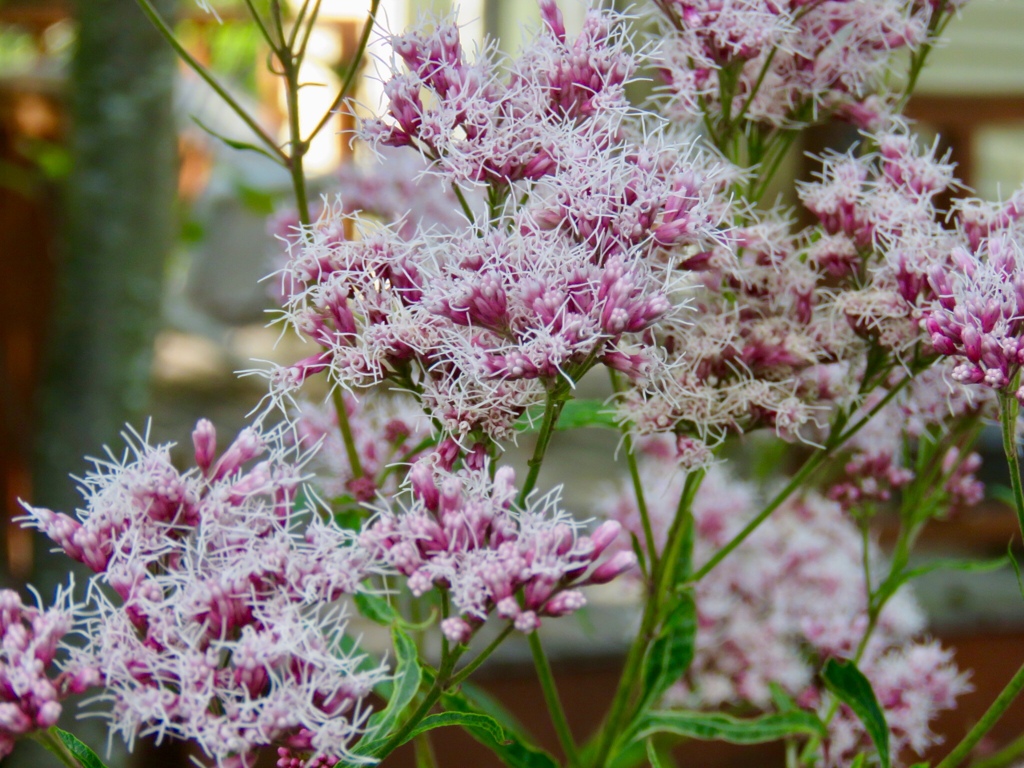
(669, 656)
(477, 724)
(377, 609)
(721, 727)
(235, 143)
(406, 683)
(848, 684)
(889, 587)
(513, 749)
(81, 751)
(575, 414)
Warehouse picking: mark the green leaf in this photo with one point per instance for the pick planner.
(721, 727)
(849, 685)
(377, 609)
(887, 588)
(512, 748)
(81, 751)
(405, 683)
(235, 143)
(859, 761)
(575, 414)
(472, 722)
(669, 656)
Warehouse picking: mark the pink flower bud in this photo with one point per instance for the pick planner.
(456, 630)
(247, 446)
(605, 534)
(612, 568)
(204, 439)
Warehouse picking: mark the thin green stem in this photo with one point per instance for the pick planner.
(207, 76)
(814, 461)
(551, 698)
(667, 567)
(470, 668)
(425, 757)
(1005, 757)
(300, 53)
(638, 487)
(1009, 409)
(464, 203)
(552, 409)
(49, 740)
(984, 725)
(350, 75)
(258, 20)
(346, 432)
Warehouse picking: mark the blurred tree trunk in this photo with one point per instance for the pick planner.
(119, 223)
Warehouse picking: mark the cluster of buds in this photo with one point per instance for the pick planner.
(464, 534)
(478, 128)
(776, 61)
(30, 641)
(978, 319)
(220, 626)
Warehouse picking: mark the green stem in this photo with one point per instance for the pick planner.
(1009, 409)
(470, 668)
(350, 75)
(638, 486)
(346, 432)
(210, 80)
(1005, 757)
(552, 409)
(667, 566)
(547, 684)
(813, 463)
(49, 740)
(984, 725)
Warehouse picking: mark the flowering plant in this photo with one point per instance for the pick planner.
(572, 228)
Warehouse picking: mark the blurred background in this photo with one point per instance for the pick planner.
(132, 243)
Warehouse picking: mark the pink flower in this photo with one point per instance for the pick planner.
(222, 625)
(462, 533)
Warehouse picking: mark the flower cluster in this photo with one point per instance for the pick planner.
(480, 321)
(30, 641)
(925, 411)
(223, 624)
(791, 596)
(780, 62)
(979, 317)
(463, 532)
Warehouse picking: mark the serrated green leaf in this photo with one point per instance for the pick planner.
(716, 726)
(669, 656)
(515, 750)
(473, 722)
(575, 414)
(377, 609)
(886, 590)
(405, 683)
(848, 684)
(81, 751)
(472, 698)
